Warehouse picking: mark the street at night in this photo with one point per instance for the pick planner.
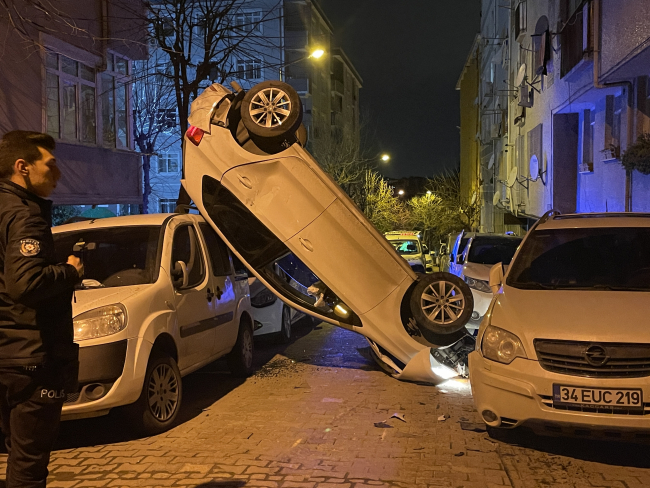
(307, 418)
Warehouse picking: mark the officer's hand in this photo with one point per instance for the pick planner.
(78, 265)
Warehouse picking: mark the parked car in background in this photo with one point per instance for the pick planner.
(159, 300)
(246, 168)
(407, 243)
(429, 261)
(566, 345)
(481, 253)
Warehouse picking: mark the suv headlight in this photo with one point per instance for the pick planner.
(479, 285)
(502, 346)
(100, 322)
(263, 299)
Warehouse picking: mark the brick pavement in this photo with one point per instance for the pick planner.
(306, 419)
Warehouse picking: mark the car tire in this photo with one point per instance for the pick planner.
(160, 400)
(285, 330)
(441, 303)
(240, 359)
(272, 110)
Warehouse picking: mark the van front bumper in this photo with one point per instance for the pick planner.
(110, 375)
(522, 393)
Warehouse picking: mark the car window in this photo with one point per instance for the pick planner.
(240, 268)
(186, 248)
(597, 258)
(492, 250)
(115, 256)
(406, 246)
(217, 251)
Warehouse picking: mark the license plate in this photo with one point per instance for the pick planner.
(598, 397)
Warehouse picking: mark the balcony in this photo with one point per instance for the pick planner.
(296, 40)
(576, 39)
(301, 85)
(337, 86)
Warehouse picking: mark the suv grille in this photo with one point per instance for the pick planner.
(592, 359)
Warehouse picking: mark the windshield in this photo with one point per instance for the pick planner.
(610, 258)
(492, 250)
(406, 246)
(115, 256)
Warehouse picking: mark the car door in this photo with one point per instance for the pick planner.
(454, 267)
(224, 288)
(195, 306)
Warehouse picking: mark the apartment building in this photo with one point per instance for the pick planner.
(575, 98)
(68, 73)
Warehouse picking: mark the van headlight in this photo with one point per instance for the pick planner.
(501, 346)
(479, 285)
(100, 322)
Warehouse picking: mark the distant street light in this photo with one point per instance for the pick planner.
(385, 158)
(429, 192)
(400, 193)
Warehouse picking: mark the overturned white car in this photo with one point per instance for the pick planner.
(247, 171)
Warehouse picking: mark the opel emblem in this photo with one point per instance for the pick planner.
(596, 355)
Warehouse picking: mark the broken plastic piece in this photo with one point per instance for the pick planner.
(398, 416)
(442, 418)
(383, 425)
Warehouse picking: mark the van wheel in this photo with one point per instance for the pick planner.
(285, 331)
(240, 359)
(157, 408)
(441, 303)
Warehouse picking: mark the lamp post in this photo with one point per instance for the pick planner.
(385, 157)
(316, 53)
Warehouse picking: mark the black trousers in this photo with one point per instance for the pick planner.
(30, 410)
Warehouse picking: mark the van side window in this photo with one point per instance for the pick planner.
(186, 248)
(240, 269)
(217, 251)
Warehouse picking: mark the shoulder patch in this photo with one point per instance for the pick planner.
(29, 247)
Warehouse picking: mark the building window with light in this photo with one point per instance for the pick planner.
(249, 69)
(249, 22)
(167, 205)
(168, 163)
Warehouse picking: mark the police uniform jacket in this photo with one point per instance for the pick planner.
(35, 291)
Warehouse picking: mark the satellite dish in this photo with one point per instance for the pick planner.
(521, 74)
(473, 200)
(491, 163)
(533, 167)
(496, 199)
(512, 176)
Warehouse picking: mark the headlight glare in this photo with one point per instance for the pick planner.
(100, 322)
(263, 299)
(501, 346)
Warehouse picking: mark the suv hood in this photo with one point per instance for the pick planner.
(477, 271)
(578, 315)
(98, 297)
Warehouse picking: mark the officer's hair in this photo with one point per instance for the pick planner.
(22, 144)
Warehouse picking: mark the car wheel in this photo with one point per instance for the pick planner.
(441, 303)
(272, 110)
(240, 359)
(285, 331)
(156, 409)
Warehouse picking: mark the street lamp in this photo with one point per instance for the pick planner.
(385, 158)
(317, 53)
(400, 193)
(314, 54)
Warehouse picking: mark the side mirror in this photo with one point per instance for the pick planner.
(496, 277)
(180, 275)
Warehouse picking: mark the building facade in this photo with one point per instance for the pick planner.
(574, 97)
(68, 73)
(328, 86)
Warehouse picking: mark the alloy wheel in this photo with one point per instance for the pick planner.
(442, 302)
(163, 392)
(270, 107)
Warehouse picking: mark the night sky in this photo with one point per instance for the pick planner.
(410, 55)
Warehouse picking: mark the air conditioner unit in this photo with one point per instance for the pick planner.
(520, 115)
(525, 96)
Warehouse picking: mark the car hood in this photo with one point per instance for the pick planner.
(477, 271)
(85, 300)
(578, 315)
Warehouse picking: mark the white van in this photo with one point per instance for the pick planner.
(158, 301)
(407, 243)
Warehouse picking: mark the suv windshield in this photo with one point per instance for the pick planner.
(406, 246)
(115, 256)
(493, 250)
(609, 258)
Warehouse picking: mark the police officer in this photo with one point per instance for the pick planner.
(38, 358)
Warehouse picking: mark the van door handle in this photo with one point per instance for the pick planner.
(210, 295)
(219, 293)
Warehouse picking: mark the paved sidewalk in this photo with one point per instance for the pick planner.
(307, 419)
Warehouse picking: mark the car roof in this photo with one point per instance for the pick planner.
(125, 221)
(500, 236)
(591, 220)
